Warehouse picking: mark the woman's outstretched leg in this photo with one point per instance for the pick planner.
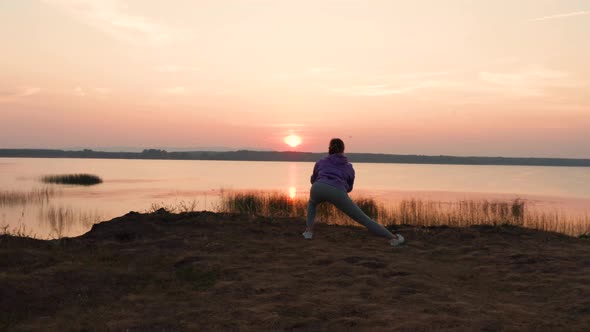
(343, 202)
(353, 211)
(321, 192)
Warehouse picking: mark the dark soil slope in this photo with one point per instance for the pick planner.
(210, 272)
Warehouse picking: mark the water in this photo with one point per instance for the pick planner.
(139, 185)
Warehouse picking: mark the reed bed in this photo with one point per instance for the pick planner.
(411, 212)
(72, 179)
(61, 218)
(33, 196)
(459, 213)
(280, 205)
(19, 231)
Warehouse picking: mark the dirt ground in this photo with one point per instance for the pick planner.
(220, 272)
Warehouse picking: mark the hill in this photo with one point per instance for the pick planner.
(210, 272)
(247, 155)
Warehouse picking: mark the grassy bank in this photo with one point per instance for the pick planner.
(411, 212)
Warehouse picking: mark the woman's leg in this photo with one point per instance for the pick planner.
(311, 211)
(343, 202)
(353, 211)
(315, 197)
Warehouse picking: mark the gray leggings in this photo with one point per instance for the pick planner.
(321, 192)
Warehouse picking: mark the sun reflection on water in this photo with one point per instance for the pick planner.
(292, 192)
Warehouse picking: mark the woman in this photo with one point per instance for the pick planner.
(332, 180)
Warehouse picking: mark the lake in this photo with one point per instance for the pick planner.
(140, 185)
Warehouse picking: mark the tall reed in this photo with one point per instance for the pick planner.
(20, 231)
(277, 204)
(61, 218)
(459, 213)
(33, 196)
(411, 211)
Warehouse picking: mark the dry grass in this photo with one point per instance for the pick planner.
(20, 231)
(412, 212)
(60, 219)
(181, 206)
(460, 213)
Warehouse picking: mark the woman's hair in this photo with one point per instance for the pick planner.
(336, 146)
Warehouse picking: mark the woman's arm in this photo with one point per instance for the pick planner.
(314, 175)
(350, 179)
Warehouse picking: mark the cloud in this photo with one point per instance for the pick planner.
(8, 94)
(371, 90)
(102, 91)
(78, 91)
(285, 125)
(400, 88)
(560, 16)
(422, 75)
(319, 70)
(25, 92)
(109, 16)
(83, 92)
(177, 90)
(400, 84)
(176, 69)
(528, 81)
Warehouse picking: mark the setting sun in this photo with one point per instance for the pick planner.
(292, 140)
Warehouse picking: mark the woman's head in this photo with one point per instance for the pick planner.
(336, 146)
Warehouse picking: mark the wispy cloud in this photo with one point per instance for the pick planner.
(176, 69)
(423, 75)
(527, 81)
(559, 16)
(25, 92)
(399, 88)
(102, 91)
(285, 125)
(177, 90)
(8, 94)
(399, 84)
(531, 80)
(78, 91)
(373, 90)
(319, 70)
(84, 92)
(110, 17)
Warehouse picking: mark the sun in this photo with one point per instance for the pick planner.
(292, 140)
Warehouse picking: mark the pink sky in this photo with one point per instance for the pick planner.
(411, 77)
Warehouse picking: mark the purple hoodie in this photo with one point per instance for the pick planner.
(334, 170)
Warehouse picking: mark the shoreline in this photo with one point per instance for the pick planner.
(15, 217)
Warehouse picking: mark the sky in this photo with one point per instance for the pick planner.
(478, 78)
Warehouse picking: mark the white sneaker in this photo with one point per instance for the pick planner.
(397, 241)
(307, 235)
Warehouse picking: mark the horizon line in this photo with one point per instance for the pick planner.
(295, 151)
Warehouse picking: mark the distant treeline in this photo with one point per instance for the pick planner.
(246, 155)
